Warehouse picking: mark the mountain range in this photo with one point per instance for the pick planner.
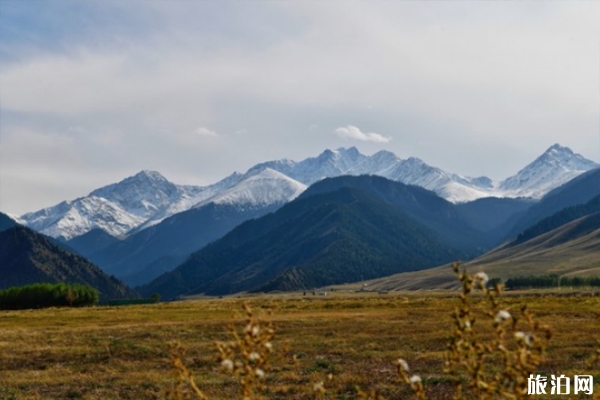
(349, 228)
(235, 235)
(147, 198)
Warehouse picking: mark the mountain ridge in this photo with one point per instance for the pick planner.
(147, 198)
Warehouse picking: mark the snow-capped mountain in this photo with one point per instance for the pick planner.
(259, 188)
(73, 218)
(328, 164)
(555, 167)
(148, 198)
(190, 196)
(145, 254)
(144, 194)
(412, 171)
(143, 199)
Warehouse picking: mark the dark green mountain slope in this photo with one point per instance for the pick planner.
(490, 213)
(340, 236)
(6, 222)
(29, 257)
(570, 250)
(560, 218)
(92, 242)
(423, 205)
(152, 251)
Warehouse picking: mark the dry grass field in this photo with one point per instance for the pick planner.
(124, 353)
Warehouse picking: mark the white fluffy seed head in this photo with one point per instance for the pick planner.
(227, 364)
(260, 373)
(520, 335)
(502, 315)
(254, 356)
(415, 379)
(482, 278)
(403, 364)
(525, 337)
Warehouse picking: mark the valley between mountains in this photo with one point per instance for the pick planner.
(337, 218)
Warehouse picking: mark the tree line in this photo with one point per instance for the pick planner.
(41, 295)
(551, 281)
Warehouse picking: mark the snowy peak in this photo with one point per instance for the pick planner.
(452, 187)
(116, 208)
(259, 188)
(308, 171)
(143, 194)
(69, 219)
(342, 158)
(560, 156)
(564, 157)
(553, 168)
(149, 176)
(557, 149)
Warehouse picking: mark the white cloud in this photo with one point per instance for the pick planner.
(202, 131)
(352, 132)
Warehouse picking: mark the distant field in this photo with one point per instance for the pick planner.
(123, 352)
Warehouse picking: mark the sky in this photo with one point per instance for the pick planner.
(92, 92)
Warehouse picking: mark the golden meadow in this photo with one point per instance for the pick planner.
(397, 345)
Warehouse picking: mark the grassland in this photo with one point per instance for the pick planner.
(123, 352)
(547, 254)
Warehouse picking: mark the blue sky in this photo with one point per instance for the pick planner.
(95, 91)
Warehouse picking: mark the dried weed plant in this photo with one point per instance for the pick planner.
(488, 364)
(184, 377)
(498, 366)
(246, 357)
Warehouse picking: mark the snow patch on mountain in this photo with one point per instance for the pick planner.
(259, 188)
(328, 164)
(137, 201)
(73, 218)
(555, 167)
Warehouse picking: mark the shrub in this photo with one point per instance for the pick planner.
(41, 295)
